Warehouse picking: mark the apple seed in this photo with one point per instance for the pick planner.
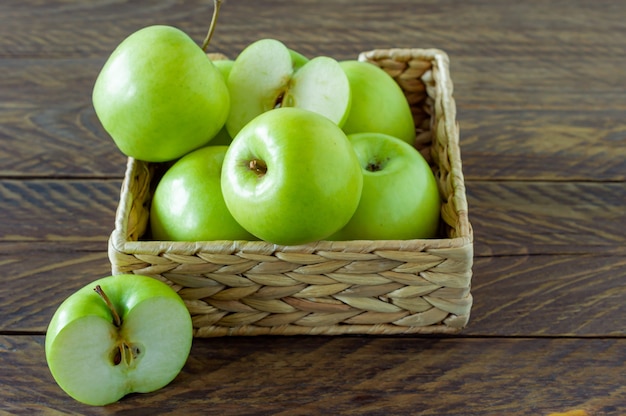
(279, 100)
(126, 353)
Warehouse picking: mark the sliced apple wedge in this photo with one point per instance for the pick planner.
(268, 75)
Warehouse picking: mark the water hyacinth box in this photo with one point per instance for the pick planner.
(373, 287)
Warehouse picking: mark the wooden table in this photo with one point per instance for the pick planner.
(541, 95)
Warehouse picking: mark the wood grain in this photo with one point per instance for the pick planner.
(542, 145)
(547, 217)
(353, 376)
(528, 76)
(543, 295)
(38, 277)
(47, 123)
(509, 218)
(49, 210)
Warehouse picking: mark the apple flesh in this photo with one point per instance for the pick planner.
(188, 205)
(268, 75)
(400, 198)
(378, 103)
(159, 96)
(291, 177)
(137, 340)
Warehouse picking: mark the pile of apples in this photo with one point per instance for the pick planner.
(269, 146)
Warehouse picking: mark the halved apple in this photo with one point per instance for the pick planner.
(118, 335)
(268, 75)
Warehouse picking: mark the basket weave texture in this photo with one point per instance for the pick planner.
(327, 287)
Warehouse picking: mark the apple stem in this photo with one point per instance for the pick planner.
(216, 11)
(116, 317)
(258, 167)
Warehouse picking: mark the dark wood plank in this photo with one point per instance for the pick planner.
(508, 217)
(47, 123)
(37, 277)
(544, 145)
(59, 29)
(513, 295)
(51, 210)
(547, 217)
(581, 295)
(527, 78)
(353, 375)
(50, 129)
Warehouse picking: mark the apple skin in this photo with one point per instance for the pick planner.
(188, 205)
(297, 59)
(400, 198)
(378, 103)
(82, 339)
(224, 66)
(158, 96)
(223, 138)
(312, 184)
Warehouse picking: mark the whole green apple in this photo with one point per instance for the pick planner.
(400, 198)
(187, 204)
(158, 95)
(267, 75)
(118, 335)
(378, 103)
(291, 177)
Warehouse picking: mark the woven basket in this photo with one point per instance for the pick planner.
(330, 288)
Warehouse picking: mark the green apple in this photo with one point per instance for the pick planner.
(187, 204)
(222, 138)
(291, 177)
(224, 66)
(268, 75)
(378, 103)
(297, 59)
(400, 198)
(118, 335)
(158, 96)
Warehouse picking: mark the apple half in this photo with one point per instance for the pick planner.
(268, 75)
(118, 335)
